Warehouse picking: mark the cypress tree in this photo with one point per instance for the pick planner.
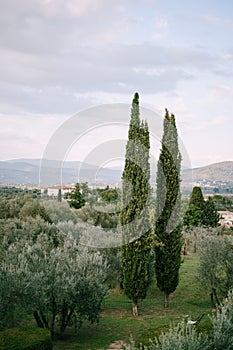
(76, 199)
(211, 216)
(168, 198)
(197, 198)
(134, 217)
(201, 212)
(59, 197)
(195, 213)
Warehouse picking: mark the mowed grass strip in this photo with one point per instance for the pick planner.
(117, 322)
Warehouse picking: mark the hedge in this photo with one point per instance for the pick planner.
(25, 339)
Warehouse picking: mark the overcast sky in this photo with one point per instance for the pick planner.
(59, 57)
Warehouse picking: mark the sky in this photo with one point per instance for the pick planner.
(59, 58)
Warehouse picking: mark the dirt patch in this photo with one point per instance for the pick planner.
(117, 345)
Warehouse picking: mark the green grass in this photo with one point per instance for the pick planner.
(117, 322)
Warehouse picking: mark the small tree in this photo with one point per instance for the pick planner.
(193, 217)
(109, 195)
(59, 195)
(211, 216)
(215, 270)
(200, 212)
(197, 198)
(34, 208)
(75, 198)
(195, 213)
(62, 283)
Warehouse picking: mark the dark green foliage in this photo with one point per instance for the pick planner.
(98, 218)
(75, 198)
(134, 216)
(211, 216)
(109, 195)
(197, 198)
(200, 212)
(25, 339)
(33, 208)
(195, 214)
(223, 203)
(193, 217)
(59, 195)
(168, 198)
(9, 316)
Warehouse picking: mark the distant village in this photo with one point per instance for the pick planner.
(226, 216)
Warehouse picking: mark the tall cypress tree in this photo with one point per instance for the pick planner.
(167, 226)
(134, 215)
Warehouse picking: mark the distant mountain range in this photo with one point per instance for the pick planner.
(218, 172)
(51, 172)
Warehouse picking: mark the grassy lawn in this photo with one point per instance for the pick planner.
(117, 322)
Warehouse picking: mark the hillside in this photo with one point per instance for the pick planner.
(27, 171)
(218, 172)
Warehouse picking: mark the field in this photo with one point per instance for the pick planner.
(117, 322)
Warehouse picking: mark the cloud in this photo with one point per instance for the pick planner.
(50, 51)
(162, 23)
(217, 21)
(26, 135)
(221, 92)
(157, 36)
(208, 124)
(97, 67)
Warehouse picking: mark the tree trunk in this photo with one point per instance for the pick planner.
(212, 300)
(135, 308)
(45, 322)
(195, 247)
(38, 320)
(216, 297)
(185, 247)
(64, 312)
(52, 326)
(52, 323)
(65, 320)
(166, 300)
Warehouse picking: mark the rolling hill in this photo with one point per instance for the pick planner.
(218, 172)
(27, 171)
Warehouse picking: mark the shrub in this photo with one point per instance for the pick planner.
(25, 339)
(179, 337)
(221, 336)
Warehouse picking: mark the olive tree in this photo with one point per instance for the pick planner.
(59, 283)
(215, 270)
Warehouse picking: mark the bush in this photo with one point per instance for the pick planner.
(25, 339)
(221, 336)
(180, 337)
